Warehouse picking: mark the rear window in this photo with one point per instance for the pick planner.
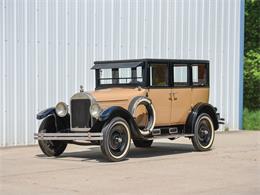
(199, 75)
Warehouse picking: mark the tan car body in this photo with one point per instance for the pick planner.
(172, 105)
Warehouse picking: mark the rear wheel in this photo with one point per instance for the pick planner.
(50, 147)
(116, 139)
(204, 133)
(143, 143)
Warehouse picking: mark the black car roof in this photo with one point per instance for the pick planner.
(136, 62)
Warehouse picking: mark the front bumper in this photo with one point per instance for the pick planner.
(69, 136)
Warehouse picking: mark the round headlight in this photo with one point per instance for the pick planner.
(95, 110)
(61, 109)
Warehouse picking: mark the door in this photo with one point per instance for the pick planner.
(160, 92)
(181, 93)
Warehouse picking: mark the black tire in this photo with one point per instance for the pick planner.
(116, 139)
(49, 147)
(204, 133)
(143, 143)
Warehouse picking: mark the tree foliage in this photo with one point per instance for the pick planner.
(252, 55)
(252, 80)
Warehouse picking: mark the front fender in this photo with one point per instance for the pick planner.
(45, 113)
(117, 111)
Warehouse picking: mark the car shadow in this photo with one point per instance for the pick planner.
(157, 149)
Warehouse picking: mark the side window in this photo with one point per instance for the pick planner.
(124, 75)
(180, 75)
(199, 75)
(104, 74)
(159, 74)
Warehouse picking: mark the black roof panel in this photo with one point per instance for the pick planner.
(135, 62)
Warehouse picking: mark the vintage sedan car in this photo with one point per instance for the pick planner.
(138, 100)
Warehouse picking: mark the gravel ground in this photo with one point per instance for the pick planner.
(169, 167)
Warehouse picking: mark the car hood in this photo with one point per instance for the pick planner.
(116, 96)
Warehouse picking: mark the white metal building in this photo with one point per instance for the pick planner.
(48, 47)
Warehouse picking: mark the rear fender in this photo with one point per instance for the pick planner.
(196, 111)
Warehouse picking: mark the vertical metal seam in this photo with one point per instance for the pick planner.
(66, 53)
(120, 29)
(112, 29)
(209, 12)
(182, 27)
(128, 27)
(189, 22)
(85, 43)
(136, 31)
(228, 64)
(167, 29)
(103, 29)
(4, 76)
(94, 31)
(145, 23)
(174, 34)
(196, 29)
(26, 72)
(76, 46)
(215, 55)
(47, 52)
(15, 74)
(152, 30)
(36, 60)
(56, 52)
(202, 30)
(241, 61)
(234, 64)
(221, 56)
(160, 29)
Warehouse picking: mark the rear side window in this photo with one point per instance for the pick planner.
(180, 75)
(159, 74)
(199, 75)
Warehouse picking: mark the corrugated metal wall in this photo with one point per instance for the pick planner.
(48, 47)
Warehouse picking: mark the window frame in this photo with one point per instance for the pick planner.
(188, 75)
(149, 78)
(101, 86)
(207, 76)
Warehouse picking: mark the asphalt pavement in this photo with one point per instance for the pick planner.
(169, 167)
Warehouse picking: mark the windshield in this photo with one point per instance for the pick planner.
(120, 76)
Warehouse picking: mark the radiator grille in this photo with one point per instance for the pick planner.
(80, 116)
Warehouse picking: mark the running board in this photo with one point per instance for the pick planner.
(172, 133)
(69, 136)
(171, 136)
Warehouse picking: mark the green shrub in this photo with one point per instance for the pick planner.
(251, 120)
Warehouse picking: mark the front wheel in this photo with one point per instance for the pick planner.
(116, 139)
(50, 147)
(204, 133)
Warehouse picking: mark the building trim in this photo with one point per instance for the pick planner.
(241, 80)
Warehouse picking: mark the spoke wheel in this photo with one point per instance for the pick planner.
(204, 133)
(116, 139)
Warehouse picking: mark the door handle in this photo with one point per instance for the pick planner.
(174, 95)
(170, 98)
